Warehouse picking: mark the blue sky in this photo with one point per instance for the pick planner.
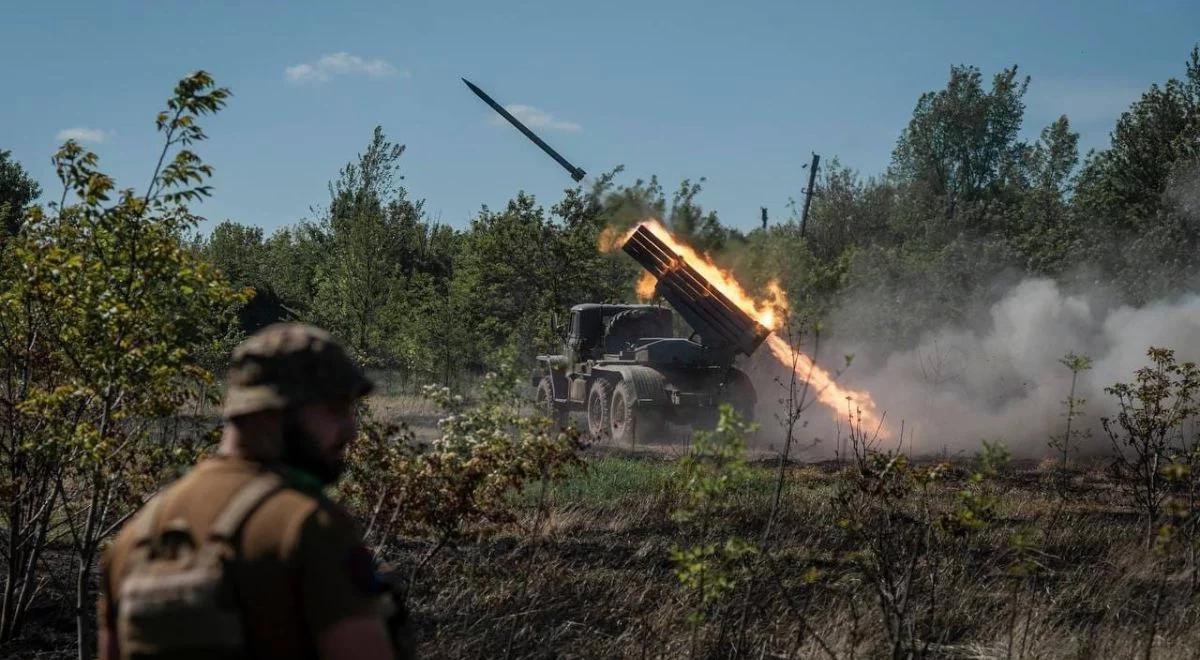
(740, 93)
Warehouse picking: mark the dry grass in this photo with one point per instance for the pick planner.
(597, 583)
(591, 577)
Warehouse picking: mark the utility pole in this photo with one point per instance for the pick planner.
(808, 192)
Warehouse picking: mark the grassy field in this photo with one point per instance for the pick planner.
(1060, 572)
(1060, 569)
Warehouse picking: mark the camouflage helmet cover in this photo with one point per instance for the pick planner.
(288, 364)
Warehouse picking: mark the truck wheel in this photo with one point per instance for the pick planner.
(546, 405)
(631, 422)
(598, 408)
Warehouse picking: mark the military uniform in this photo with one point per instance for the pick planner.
(293, 561)
(301, 566)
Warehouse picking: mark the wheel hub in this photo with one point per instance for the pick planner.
(618, 413)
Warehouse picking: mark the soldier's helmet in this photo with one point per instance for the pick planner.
(290, 364)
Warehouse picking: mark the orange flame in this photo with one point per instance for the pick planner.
(855, 405)
(770, 312)
(645, 286)
(612, 238)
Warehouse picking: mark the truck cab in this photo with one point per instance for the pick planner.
(596, 330)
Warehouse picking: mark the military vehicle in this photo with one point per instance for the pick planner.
(623, 365)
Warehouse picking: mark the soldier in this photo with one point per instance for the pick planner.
(245, 556)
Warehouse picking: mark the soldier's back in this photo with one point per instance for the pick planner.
(300, 562)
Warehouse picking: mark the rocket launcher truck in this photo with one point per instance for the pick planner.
(625, 367)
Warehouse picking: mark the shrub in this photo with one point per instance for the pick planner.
(1148, 433)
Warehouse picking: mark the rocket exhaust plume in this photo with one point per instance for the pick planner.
(768, 313)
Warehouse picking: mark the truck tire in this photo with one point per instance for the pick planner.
(599, 409)
(629, 421)
(546, 404)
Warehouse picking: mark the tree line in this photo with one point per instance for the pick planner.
(966, 203)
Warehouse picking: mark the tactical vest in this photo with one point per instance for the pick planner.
(177, 598)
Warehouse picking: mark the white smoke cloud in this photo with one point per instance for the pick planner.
(340, 64)
(999, 376)
(1004, 380)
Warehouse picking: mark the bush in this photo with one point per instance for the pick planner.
(1149, 431)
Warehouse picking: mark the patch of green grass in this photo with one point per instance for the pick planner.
(608, 482)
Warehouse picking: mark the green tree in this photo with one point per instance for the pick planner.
(900, 291)
(426, 332)
(29, 468)
(120, 308)
(953, 206)
(17, 191)
(372, 227)
(1048, 235)
(239, 252)
(1123, 201)
(848, 212)
(292, 258)
(626, 206)
(505, 277)
(590, 267)
(690, 222)
(961, 148)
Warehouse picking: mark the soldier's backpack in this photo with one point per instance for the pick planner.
(177, 597)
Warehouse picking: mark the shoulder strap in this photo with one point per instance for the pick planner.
(243, 503)
(147, 524)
